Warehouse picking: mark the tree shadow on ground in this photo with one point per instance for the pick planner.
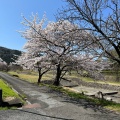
(57, 118)
(79, 102)
(6, 104)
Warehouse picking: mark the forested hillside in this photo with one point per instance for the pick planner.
(7, 54)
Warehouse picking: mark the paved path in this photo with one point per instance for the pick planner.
(52, 105)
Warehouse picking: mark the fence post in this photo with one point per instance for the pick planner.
(0, 97)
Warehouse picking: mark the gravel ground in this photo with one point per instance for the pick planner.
(53, 105)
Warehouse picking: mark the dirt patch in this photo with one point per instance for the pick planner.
(9, 99)
(35, 105)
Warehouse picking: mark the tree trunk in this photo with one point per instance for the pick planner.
(40, 75)
(58, 74)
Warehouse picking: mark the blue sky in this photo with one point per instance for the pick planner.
(10, 18)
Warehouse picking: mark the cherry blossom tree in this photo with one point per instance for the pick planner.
(59, 44)
(28, 61)
(92, 67)
(101, 18)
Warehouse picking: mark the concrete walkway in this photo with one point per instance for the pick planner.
(50, 105)
(91, 90)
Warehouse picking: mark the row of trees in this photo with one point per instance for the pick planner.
(60, 46)
(5, 67)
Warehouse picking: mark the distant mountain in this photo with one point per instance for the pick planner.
(8, 54)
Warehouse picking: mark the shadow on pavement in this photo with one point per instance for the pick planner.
(6, 104)
(81, 102)
(45, 115)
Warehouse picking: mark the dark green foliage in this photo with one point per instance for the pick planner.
(8, 54)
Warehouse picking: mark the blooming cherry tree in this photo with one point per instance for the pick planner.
(58, 44)
(27, 61)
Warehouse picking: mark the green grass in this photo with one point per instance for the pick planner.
(28, 77)
(32, 77)
(107, 81)
(7, 92)
(109, 72)
(7, 108)
(114, 107)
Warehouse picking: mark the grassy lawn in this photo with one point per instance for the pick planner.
(86, 79)
(31, 77)
(7, 92)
